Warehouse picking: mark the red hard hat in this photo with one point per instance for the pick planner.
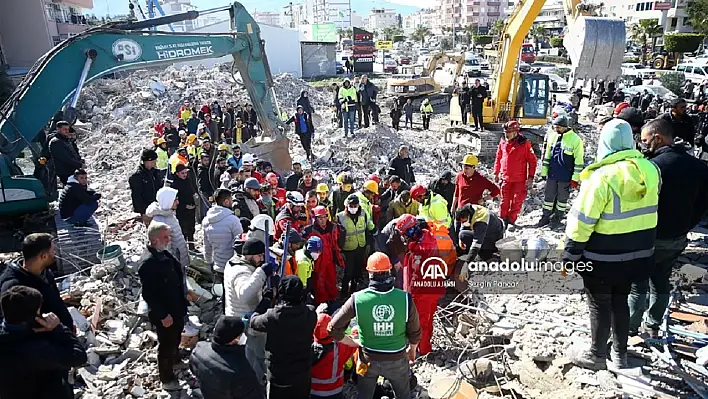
(321, 332)
(405, 222)
(319, 211)
(417, 191)
(512, 126)
(620, 107)
(272, 177)
(374, 178)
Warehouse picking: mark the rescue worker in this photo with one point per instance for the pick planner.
(245, 205)
(514, 167)
(328, 360)
(562, 163)
(389, 337)
(426, 111)
(279, 193)
(295, 242)
(422, 245)
(403, 204)
(432, 207)
(322, 196)
(612, 228)
(358, 234)
(444, 186)
(162, 157)
(477, 231)
(470, 185)
(344, 189)
(292, 212)
(366, 197)
(180, 157)
(325, 288)
(305, 258)
(347, 97)
(307, 182)
(310, 203)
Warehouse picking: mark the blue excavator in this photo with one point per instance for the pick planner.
(55, 81)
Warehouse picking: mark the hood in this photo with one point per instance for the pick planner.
(166, 197)
(615, 136)
(154, 210)
(447, 176)
(72, 179)
(633, 186)
(302, 93)
(218, 213)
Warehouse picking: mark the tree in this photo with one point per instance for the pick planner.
(556, 41)
(349, 32)
(639, 36)
(6, 86)
(446, 43)
(469, 31)
(340, 33)
(420, 34)
(390, 31)
(538, 32)
(653, 30)
(497, 28)
(697, 11)
(481, 40)
(682, 42)
(673, 81)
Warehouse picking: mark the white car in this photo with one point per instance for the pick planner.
(472, 67)
(659, 91)
(636, 69)
(484, 64)
(557, 83)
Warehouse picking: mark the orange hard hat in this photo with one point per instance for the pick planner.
(321, 333)
(378, 262)
(319, 211)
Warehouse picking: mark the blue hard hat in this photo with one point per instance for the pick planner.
(314, 244)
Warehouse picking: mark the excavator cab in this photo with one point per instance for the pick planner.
(532, 95)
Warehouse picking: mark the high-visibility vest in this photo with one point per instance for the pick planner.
(305, 266)
(382, 318)
(162, 159)
(570, 155)
(426, 109)
(354, 234)
(435, 210)
(343, 94)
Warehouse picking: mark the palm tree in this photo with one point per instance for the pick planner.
(340, 33)
(348, 32)
(420, 34)
(497, 28)
(639, 35)
(538, 32)
(469, 31)
(653, 30)
(390, 32)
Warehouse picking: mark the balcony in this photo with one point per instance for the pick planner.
(475, 14)
(86, 4)
(493, 13)
(493, 3)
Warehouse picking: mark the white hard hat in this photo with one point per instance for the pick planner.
(259, 223)
(247, 158)
(295, 198)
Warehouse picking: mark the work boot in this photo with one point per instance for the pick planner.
(651, 332)
(619, 361)
(588, 360)
(510, 226)
(545, 221)
(171, 386)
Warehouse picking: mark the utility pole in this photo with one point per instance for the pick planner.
(290, 13)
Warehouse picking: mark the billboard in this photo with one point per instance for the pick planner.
(363, 50)
(384, 45)
(662, 5)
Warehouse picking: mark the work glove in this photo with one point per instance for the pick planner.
(268, 268)
(574, 184)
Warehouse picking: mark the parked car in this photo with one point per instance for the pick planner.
(404, 61)
(557, 83)
(524, 67)
(471, 67)
(637, 69)
(527, 53)
(484, 64)
(659, 91)
(390, 66)
(340, 67)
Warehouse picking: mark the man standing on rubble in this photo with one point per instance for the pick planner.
(186, 210)
(164, 290)
(389, 330)
(367, 92)
(681, 122)
(292, 182)
(401, 165)
(64, 152)
(144, 184)
(563, 160)
(221, 227)
(610, 238)
(515, 166)
(34, 271)
(245, 275)
(347, 99)
(344, 189)
(304, 129)
(163, 211)
(683, 200)
(470, 185)
(478, 94)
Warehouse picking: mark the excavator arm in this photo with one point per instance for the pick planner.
(57, 78)
(444, 58)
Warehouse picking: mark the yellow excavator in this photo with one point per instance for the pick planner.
(595, 46)
(418, 87)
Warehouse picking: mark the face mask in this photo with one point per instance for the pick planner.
(266, 199)
(352, 210)
(315, 255)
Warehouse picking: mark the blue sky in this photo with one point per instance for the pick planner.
(362, 7)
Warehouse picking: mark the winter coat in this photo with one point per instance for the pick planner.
(243, 283)
(304, 188)
(35, 365)
(245, 206)
(213, 130)
(292, 181)
(305, 103)
(192, 126)
(455, 109)
(331, 253)
(682, 129)
(65, 155)
(337, 198)
(367, 93)
(73, 195)
(408, 109)
(476, 91)
(224, 372)
(15, 274)
(144, 184)
(289, 329)
(221, 227)
(285, 216)
(161, 211)
(397, 208)
(515, 161)
(683, 199)
(402, 167)
(447, 191)
(185, 192)
(204, 178)
(465, 97)
(163, 283)
(298, 128)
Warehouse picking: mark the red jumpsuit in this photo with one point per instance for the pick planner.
(285, 216)
(325, 273)
(279, 195)
(515, 164)
(425, 298)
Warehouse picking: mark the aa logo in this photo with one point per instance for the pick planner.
(434, 269)
(383, 313)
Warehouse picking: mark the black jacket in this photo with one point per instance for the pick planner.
(367, 93)
(465, 97)
(305, 103)
(72, 195)
(402, 168)
(289, 341)
(173, 140)
(292, 182)
(224, 372)
(683, 199)
(185, 192)
(34, 365)
(308, 123)
(163, 285)
(65, 155)
(241, 207)
(14, 275)
(474, 92)
(144, 184)
(683, 128)
(446, 191)
(204, 178)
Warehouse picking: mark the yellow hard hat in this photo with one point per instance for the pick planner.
(470, 159)
(223, 147)
(371, 186)
(339, 178)
(191, 138)
(161, 141)
(322, 188)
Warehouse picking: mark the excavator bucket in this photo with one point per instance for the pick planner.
(596, 47)
(275, 149)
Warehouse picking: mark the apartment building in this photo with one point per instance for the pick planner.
(670, 14)
(338, 12)
(426, 18)
(267, 17)
(358, 20)
(479, 13)
(33, 27)
(296, 14)
(381, 18)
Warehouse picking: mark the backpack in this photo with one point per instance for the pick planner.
(445, 245)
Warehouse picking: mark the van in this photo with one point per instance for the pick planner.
(694, 72)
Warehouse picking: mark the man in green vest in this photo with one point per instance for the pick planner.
(358, 233)
(389, 329)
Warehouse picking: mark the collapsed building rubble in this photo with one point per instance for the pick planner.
(512, 340)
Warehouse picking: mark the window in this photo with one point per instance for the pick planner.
(674, 22)
(681, 68)
(699, 71)
(686, 21)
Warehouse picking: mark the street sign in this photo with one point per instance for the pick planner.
(660, 5)
(384, 45)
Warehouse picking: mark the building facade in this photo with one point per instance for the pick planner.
(338, 12)
(33, 27)
(267, 17)
(425, 18)
(381, 18)
(358, 20)
(670, 14)
(479, 13)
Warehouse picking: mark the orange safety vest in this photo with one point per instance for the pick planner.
(445, 245)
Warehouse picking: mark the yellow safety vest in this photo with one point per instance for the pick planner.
(426, 108)
(343, 94)
(435, 210)
(354, 234)
(573, 151)
(305, 266)
(615, 212)
(162, 159)
(365, 204)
